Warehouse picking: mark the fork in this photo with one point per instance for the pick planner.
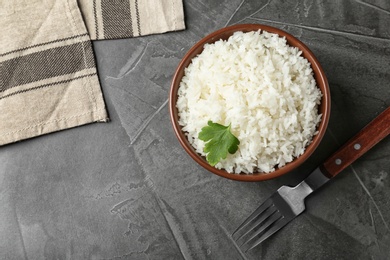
(288, 202)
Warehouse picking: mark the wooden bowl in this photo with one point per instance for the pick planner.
(225, 33)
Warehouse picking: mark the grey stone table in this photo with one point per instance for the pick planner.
(127, 190)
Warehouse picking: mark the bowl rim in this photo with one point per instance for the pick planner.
(320, 78)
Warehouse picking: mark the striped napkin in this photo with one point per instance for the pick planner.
(48, 77)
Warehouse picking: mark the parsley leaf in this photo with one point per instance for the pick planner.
(219, 140)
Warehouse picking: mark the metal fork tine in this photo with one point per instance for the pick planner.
(282, 207)
(257, 221)
(278, 224)
(253, 216)
(257, 230)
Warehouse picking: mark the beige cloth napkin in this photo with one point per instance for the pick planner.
(48, 77)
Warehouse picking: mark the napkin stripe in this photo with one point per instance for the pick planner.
(46, 85)
(96, 21)
(114, 19)
(43, 44)
(33, 67)
(137, 17)
(117, 19)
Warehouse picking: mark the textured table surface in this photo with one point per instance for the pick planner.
(127, 190)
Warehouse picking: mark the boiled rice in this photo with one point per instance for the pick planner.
(261, 86)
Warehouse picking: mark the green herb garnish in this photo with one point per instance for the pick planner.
(219, 140)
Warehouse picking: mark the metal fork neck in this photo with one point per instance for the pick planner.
(316, 179)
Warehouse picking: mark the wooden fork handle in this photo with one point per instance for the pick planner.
(369, 136)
